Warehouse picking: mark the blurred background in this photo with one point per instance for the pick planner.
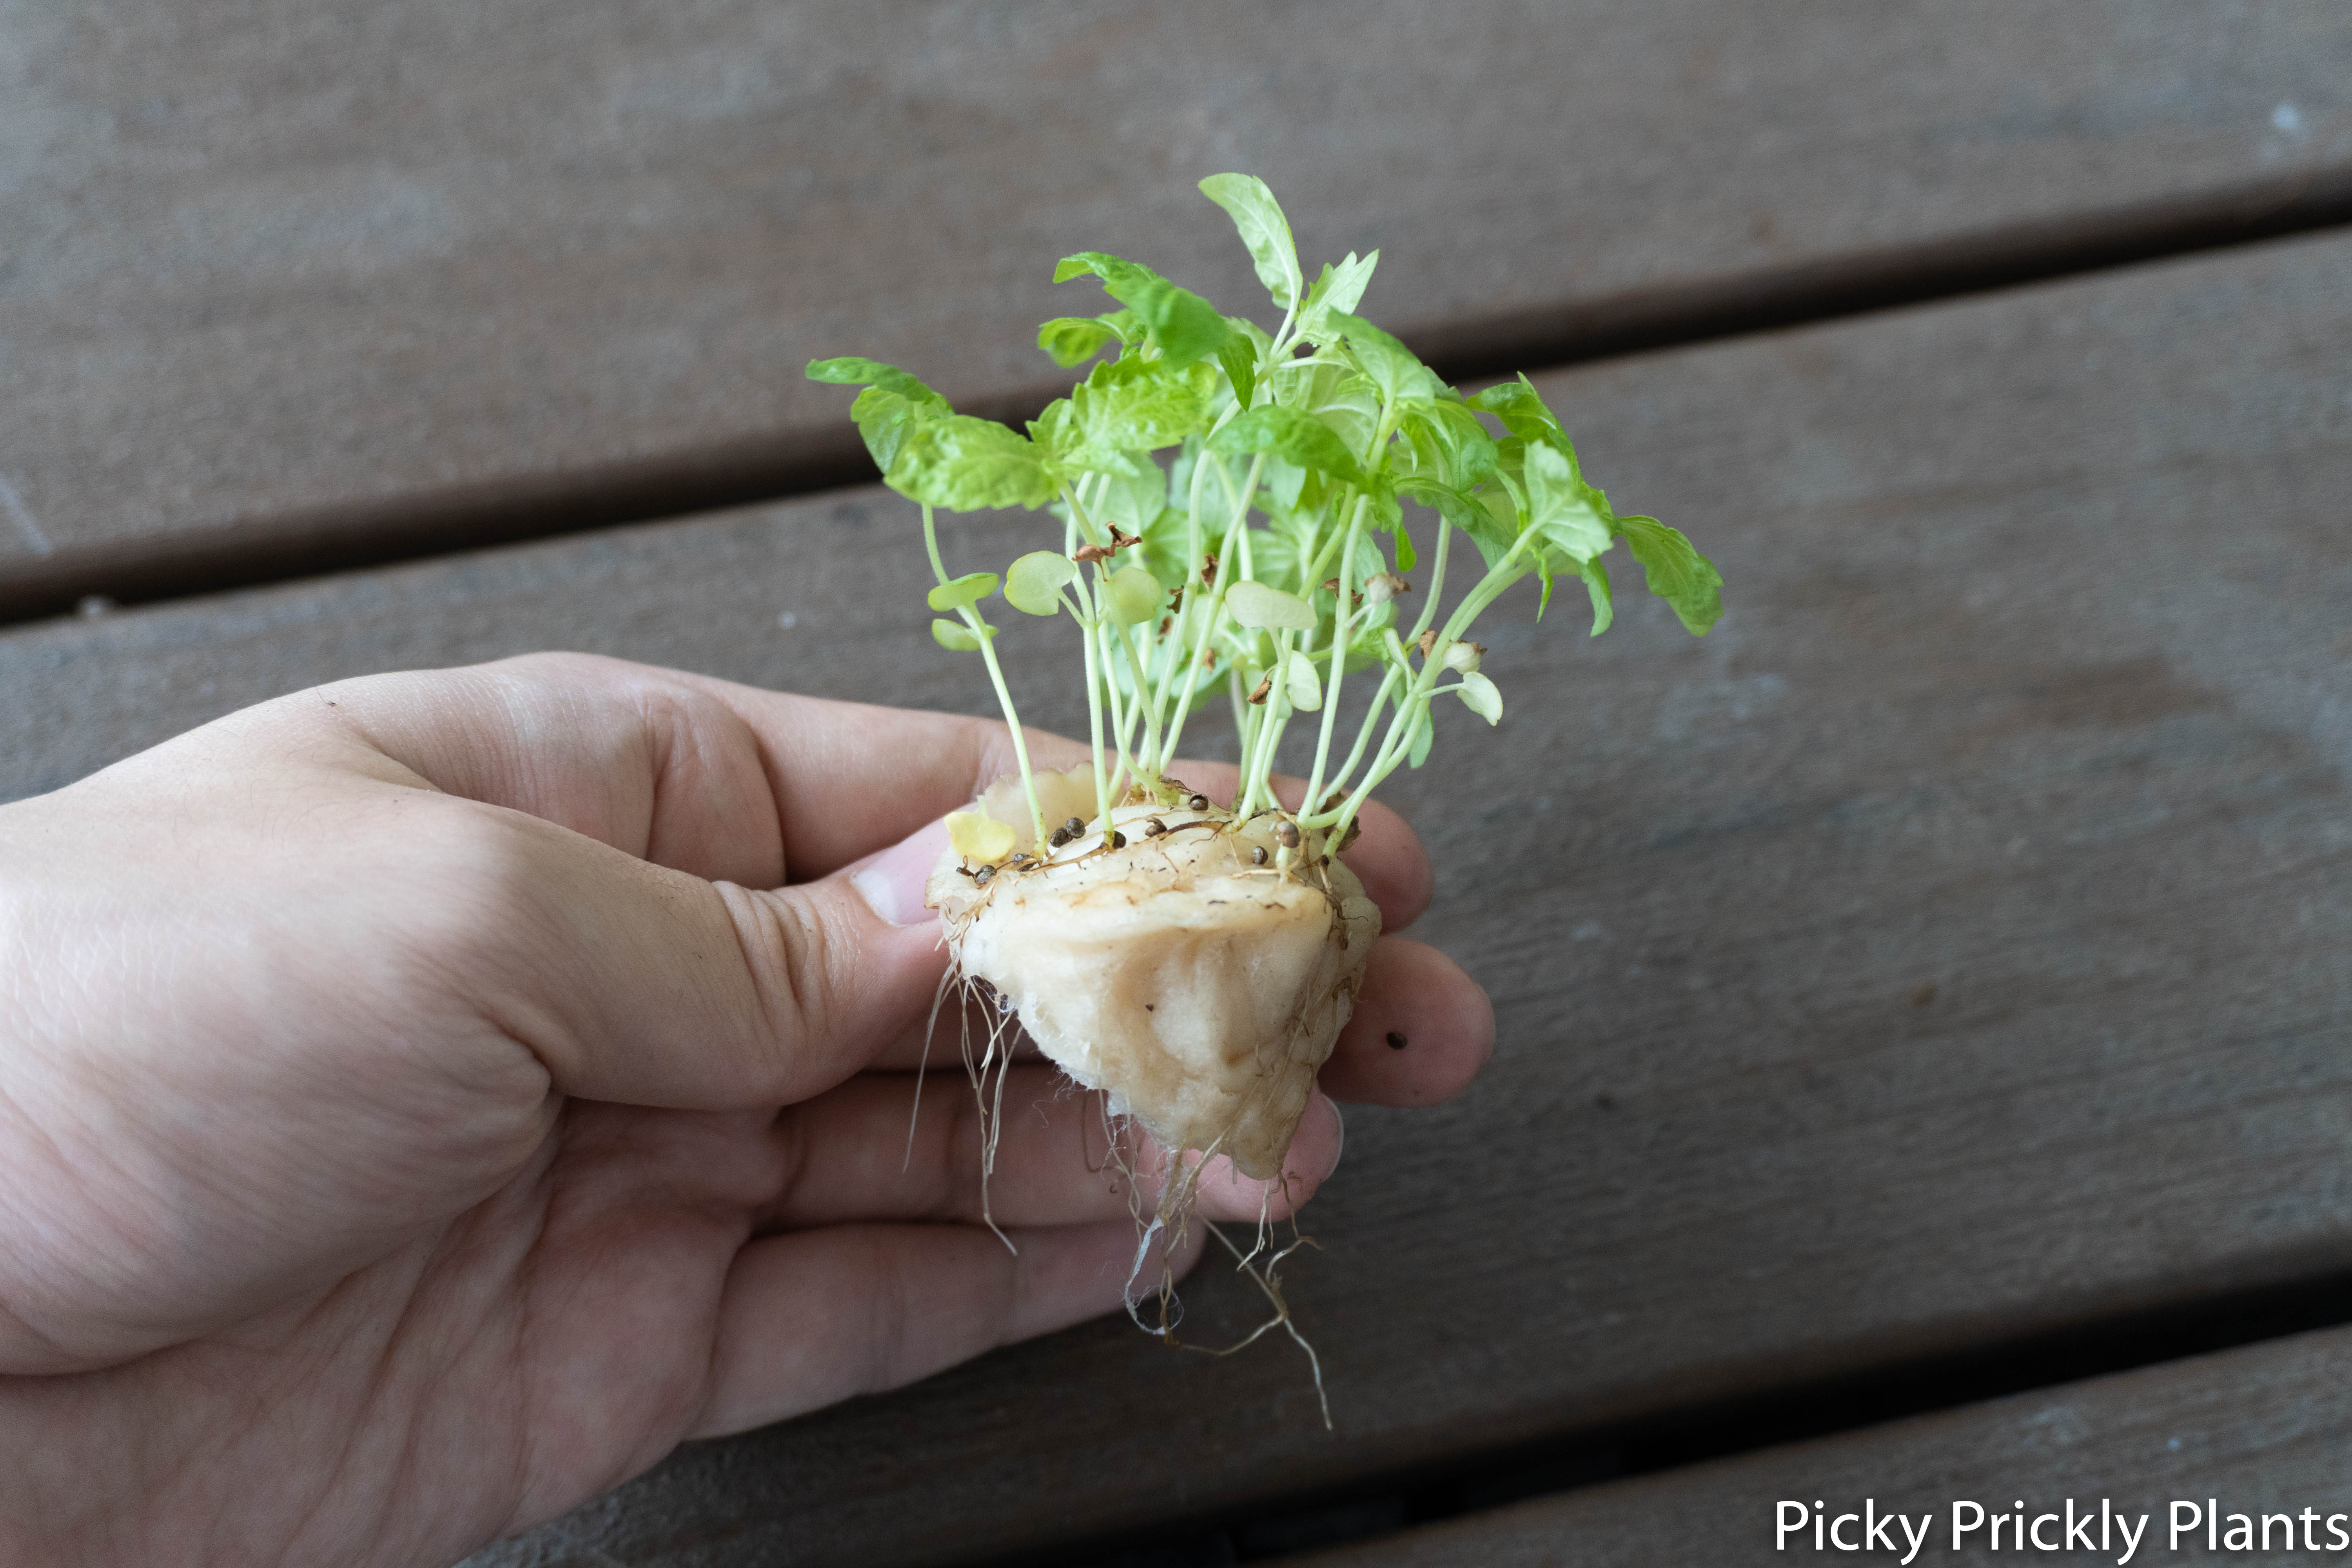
(1924, 1002)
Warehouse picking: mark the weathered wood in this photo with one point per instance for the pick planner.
(2260, 1431)
(284, 286)
(1957, 943)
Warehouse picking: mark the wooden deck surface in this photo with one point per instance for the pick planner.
(2261, 1431)
(283, 287)
(1955, 943)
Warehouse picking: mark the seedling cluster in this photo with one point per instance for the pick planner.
(1233, 508)
(1271, 555)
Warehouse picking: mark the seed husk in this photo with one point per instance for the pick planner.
(1118, 840)
(1257, 855)
(1199, 802)
(1396, 1041)
(1153, 827)
(1286, 835)
(985, 875)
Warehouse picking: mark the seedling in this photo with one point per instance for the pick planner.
(1195, 960)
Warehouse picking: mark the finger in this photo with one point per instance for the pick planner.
(726, 782)
(820, 1316)
(864, 1152)
(1421, 1030)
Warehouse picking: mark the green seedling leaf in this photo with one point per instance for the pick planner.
(955, 636)
(1260, 608)
(1111, 268)
(1338, 395)
(1133, 596)
(1481, 697)
(1300, 683)
(855, 372)
(1517, 405)
(1263, 228)
(976, 836)
(1138, 406)
(1292, 435)
(1560, 506)
(1596, 583)
(969, 589)
(1393, 366)
(1186, 327)
(1073, 339)
(970, 465)
(1335, 293)
(1033, 583)
(1239, 357)
(1676, 573)
(892, 404)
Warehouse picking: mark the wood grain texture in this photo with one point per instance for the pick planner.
(2032, 689)
(282, 282)
(2261, 1430)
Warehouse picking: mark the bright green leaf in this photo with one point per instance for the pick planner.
(1335, 293)
(955, 636)
(1073, 339)
(855, 372)
(1481, 697)
(1517, 405)
(1033, 583)
(1288, 434)
(1263, 228)
(1391, 365)
(1560, 506)
(1596, 583)
(969, 589)
(1138, 406)
(1240, 359)
(970, 465)
(1676, 573)
(1262, 608)
(1133, 596)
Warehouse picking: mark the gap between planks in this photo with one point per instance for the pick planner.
(745, 473)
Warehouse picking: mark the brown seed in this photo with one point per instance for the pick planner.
(1153, 827)
(1264, 686)
(1199, 802)
(1075, 829)
(1059, 836)
(1118, 840)
(1286, 835)
(1257, 855)
(1396, 1041)
(984, 875)
(1427, 641)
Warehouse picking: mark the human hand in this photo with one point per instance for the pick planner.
(427, 1099)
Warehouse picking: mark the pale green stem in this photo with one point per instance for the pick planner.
(1498, 578)
(1235, 543)
(1341, 616)
(997, 678)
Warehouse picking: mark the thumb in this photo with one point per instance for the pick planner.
(649, 986)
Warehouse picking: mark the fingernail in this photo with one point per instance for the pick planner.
(891, 882)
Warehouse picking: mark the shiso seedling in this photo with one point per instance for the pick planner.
(1195, 960)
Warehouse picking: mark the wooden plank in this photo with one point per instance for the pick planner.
(2259, 1431)
(286, 287)
(2031, 692)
